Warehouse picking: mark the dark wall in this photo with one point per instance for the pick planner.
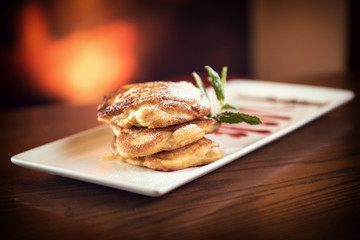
(354, 37)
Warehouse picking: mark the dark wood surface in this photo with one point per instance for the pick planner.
(305, 185)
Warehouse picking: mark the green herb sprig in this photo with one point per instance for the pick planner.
(226, 112)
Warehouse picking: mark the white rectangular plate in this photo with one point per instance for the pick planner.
(282, 108)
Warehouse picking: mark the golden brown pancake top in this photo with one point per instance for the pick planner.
(154, 105)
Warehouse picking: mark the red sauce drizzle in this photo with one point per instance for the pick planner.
(240, 129)
(274, 117)
(269, 123)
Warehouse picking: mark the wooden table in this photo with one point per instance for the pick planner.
(305, 185)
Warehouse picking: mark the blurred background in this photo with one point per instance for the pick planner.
(77, 51)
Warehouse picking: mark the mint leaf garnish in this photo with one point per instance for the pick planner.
(200, 84)
(237, 117)
(218, 85)
(223, 76)
(229, 107)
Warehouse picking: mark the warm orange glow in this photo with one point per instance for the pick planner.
(81, 67)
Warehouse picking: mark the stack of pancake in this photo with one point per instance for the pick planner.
(161, 125)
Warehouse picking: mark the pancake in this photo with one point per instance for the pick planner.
(201, 152)
(138, 142)
(154, 105)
